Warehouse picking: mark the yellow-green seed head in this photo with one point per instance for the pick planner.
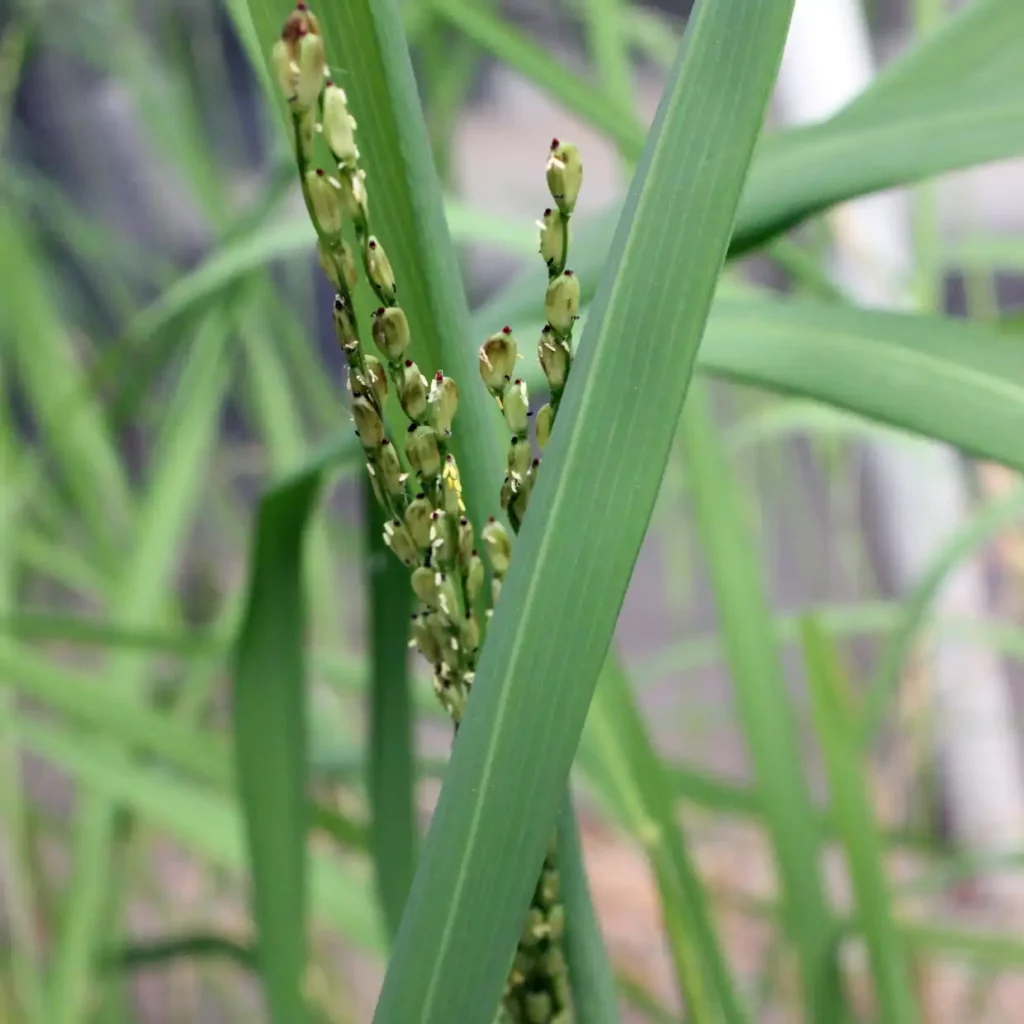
(554, 359)
(474, 576)
(422, 451)
(398, 538)
(562, 302)
(518, 461)
(412, 391)
(565, 174)
(547, 888)
(466, 549)
(378, 268)
(538, 1008)
(424, 586)
(337, 264)
(534, 930)
(378, 378)
(369, 425)
(556, 921)
(323, 193)
(390, 469)
(553, 241)
(391, 332)
(451, 652)
(339, 125)
(345, 329)
(498, 356)
(554, 962)
(352, 191)
(417, 518)
(563, 993)
(444, 401)
(425, 639)
(545, 420)
(443, 537)
(452, 492)
(298, 58)
(470, 634)
(517, 407)
(312, 68)
(286, 69)
(499, 547)
(447, 595)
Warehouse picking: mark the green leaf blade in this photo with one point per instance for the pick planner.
(550, 634)
(858, 832)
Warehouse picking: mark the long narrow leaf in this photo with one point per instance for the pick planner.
(270, 731)
(998, 515)
(391, 774)
(596, 1000)
(553, 626)
(940, 378)
(175, 491)
(617, 756)
(203, 822)
(762, 702)
(851, 809)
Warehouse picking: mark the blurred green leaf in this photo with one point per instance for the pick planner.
(998, 515)
(46, 360)
(944, 379)
(763, 704)
(981, 44)
(204, 822)
(140, 955)
(851, 810)
(905, 127)
(269, 709)
(949, 380)
(597, 105)
(617, 757)
(175, 489)
(594, 997)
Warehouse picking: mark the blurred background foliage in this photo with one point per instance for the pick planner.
(167, 353)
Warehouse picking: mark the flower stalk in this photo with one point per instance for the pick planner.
(538, 989)
(417, 481)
